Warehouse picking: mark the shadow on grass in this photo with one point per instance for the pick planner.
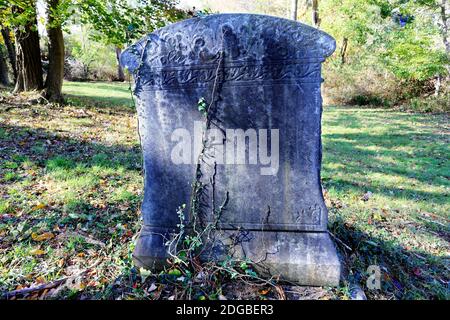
(80, 152)
(351, 160)
(405, 274)
(112, 103)
(70, 161)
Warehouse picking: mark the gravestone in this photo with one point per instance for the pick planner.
(260, 77)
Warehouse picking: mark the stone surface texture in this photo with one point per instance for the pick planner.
(263, 73)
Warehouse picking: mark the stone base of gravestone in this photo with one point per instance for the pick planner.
(298, 257)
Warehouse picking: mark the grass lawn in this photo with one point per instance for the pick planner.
(386, 176)
(71, 186)
(98, 94)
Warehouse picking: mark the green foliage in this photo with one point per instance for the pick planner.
(18, 13)
(202, 106)
(352, 19)
(433, 104)
(394, 50)
(61, 13)
(410, 53)
(118, 22)
(89, 59)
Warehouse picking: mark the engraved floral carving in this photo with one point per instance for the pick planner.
(201, 41)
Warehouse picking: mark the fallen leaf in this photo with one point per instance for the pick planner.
(417, 272)
(37, 252)
(153, 287)
(42, 237)
(264, 291)
(38, 207)
(44, 294)
(377, 217)
(280, 292)
(93, 283)
(40, 280)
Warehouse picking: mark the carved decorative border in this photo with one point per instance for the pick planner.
(201, 75)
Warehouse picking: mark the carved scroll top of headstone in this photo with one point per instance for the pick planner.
(253, 47)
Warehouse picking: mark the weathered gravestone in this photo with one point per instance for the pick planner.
(260, 77)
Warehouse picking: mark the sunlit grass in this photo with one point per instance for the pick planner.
(98, 93)
(401, 161)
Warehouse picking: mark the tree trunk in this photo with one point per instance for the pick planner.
(3, 68)
(445, 21)
(6, 34)
(293, 12)
(19, 87)
(437, 85)
(344, 50)
(28, 56)
(120, 73)
(315, 13)
(55, 74)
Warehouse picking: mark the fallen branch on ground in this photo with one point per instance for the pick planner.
(340, 241)
(46, 286)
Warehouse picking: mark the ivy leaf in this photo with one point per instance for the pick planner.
(251, 273)
(175, 272)
(202, 107)
(144, 274)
